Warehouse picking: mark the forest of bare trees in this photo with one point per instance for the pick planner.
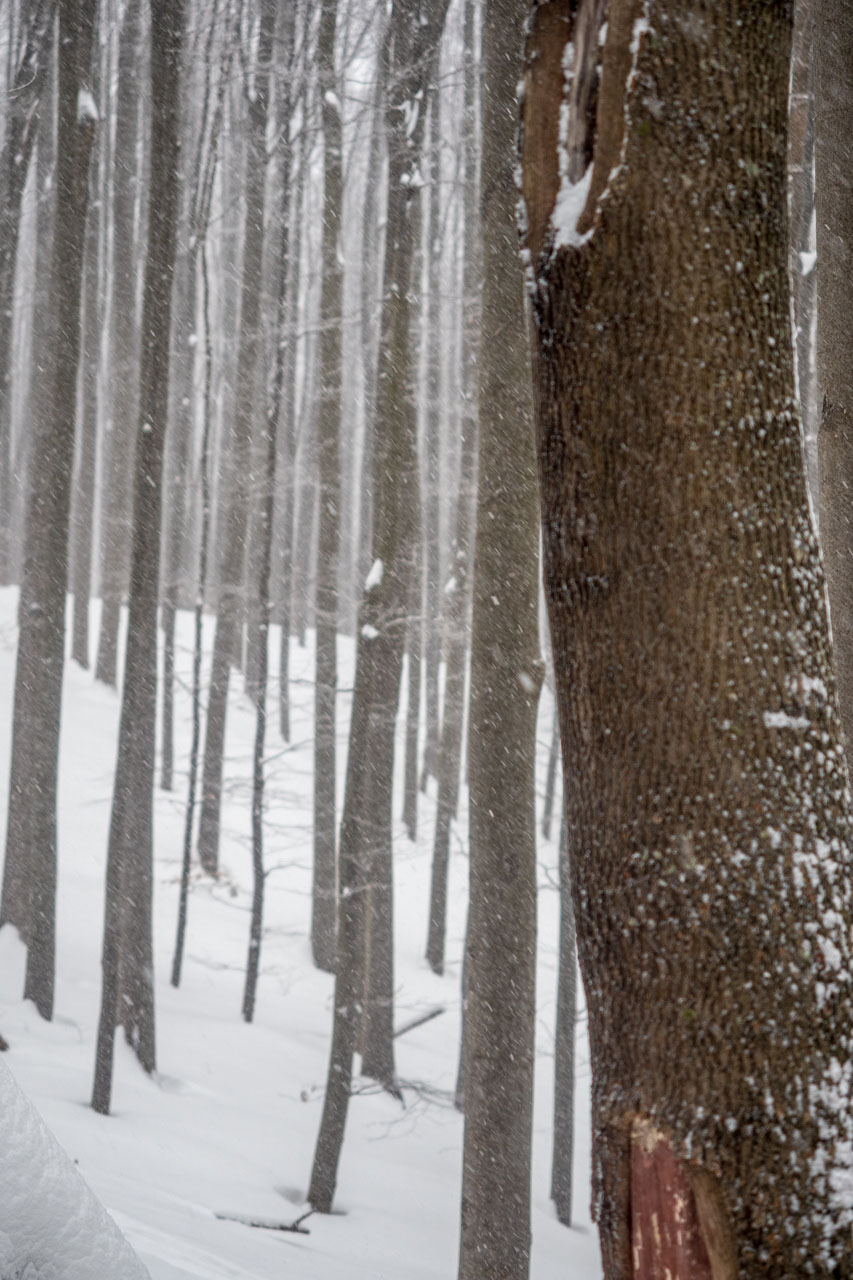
(320, 325)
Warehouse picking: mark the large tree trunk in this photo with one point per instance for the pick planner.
(31, 831)
(801, 197)
(709, 829)
(22, 121)
(833, 23)
(15, 907)
(506, 674)
(127, 994)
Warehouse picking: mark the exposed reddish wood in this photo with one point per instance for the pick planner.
(666, 1237)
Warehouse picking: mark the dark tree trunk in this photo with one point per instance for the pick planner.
(208, 152)
(708, 819)
(456, 594)
(181, 419)
(231, 595)
(264, 573)
(15, 907)
(286, 468)
(365, 960)
(834, 158)
(127, 994)
(329, 499)
(31, 831)
(20, 134)
(506, 674)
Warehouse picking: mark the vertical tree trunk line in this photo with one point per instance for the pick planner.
(457, 587)
(21, 130)
(328, 498)
(123, 380)
(364, 971)
(31, 832)
(230, 608)
(506, 675)
(127, 995)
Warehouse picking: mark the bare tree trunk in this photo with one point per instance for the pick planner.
(31, 832)
(16, 905)
(456, 630)
(21, 129)
(364, 912)
(264, 571)
(833, 30)
(286, 467)
(230, 613)
(329, 499)
(708, 814)
(83, 490)
(124, 366)
(801, 196)
(456, 595)
(414, 636)
(127, 994)
(506, 674)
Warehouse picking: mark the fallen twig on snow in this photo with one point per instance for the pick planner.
(269, 1224)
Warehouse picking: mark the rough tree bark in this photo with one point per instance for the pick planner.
(31, 829)
(22, 117)
(506, 675)
(801, 197)
(127, 993)
(708, 819)
(36, 407)
(833, 24)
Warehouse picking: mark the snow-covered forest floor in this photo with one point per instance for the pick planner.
(227, 1125)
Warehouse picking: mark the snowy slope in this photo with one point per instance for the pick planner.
(229, 1122)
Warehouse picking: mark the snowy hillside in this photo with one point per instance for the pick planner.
(228, 1124)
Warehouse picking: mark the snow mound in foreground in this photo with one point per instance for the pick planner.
(52, 1227)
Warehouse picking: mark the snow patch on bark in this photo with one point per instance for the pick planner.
(86, 108)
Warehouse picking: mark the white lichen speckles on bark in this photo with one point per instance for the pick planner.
(706, 786)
